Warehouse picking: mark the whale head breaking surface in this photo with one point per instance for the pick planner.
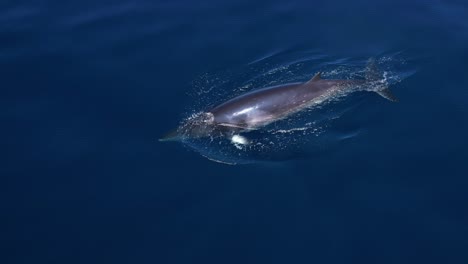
(197, 126)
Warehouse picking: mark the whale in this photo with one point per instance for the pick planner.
(261, 107)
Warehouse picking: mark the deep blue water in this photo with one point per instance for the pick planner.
(89, 86)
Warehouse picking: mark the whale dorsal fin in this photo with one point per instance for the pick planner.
(316, 77)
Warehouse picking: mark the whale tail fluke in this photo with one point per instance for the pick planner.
(377, 82)
(387, 94)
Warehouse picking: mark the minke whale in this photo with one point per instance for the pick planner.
(260, 107)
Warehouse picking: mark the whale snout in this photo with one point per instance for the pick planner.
(173, 135)
(197, 126)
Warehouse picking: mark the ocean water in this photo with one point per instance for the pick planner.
(88, 88)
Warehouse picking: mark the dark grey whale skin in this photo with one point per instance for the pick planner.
(261, 107)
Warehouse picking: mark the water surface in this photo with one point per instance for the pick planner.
(88, 88)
